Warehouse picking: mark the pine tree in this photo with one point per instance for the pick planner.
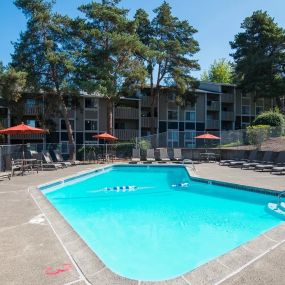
(109, 45)
(45, 53)
(259, 55)
(172, 47)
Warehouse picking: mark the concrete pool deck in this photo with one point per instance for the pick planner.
(39, 247)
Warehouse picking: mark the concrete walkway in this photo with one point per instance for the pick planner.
(239, 176)
(31, 253)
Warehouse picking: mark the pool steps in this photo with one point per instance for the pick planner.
(279, 207)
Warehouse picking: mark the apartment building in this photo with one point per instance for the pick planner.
(218, 107)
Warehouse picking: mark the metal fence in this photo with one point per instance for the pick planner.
(84, 152)
(263, 139)
(267, 139)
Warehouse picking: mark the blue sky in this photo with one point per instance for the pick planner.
(217, 21)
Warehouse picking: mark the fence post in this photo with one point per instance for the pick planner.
(1, 159)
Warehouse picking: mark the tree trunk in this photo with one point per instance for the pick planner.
(71, 142)
(110, 127)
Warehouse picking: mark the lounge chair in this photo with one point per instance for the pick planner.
(150, 158)
(239, 156)
(163, 155)
(252, 158)
(265, 160)
(177, 155)
(279, 162)
(48, 162)
(60, 159)
(136, 156)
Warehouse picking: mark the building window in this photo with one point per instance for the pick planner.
(91, 103)
(91, 125)
(31, 123)
(64, 147)
(245, 110)
(190, 116)
(258, 110)
(172, 115)
(63, 126)
(173, 138)
(189, 139)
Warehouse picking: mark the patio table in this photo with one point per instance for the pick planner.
(208, 156)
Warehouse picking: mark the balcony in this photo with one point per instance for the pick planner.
(227, 98)
(33, 110)
(147, 101)
(213, 124)
(126, 134)
(146, 122)
(126, 113)
(214, 106)
(227, 115)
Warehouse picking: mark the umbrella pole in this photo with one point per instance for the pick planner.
(23, 148)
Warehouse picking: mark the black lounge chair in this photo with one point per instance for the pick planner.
(265, 160)
(280, 162)
(238, 157)
(163, 155)
(252, 158)
(136, 156)
(60, 159)
(48, 162)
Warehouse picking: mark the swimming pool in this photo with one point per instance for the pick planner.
(155, 222)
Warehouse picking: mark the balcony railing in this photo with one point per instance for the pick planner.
(227, 116)
(147, 101)
(146, 122)
(28, 137)
(214, 106)
(126, 113)
(126, 134)
(213, 124)
(33, 110)
(228, 98)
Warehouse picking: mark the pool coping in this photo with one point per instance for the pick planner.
(216, 271)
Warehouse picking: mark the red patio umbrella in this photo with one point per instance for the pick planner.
(22, 129)
(106, 137)
(208, 137)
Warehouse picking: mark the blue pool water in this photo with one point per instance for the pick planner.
(158, 231)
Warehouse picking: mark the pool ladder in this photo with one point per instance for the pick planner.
(280, 199)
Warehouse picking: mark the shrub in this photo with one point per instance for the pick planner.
(256, 135)
(271, 118)
(144, 144)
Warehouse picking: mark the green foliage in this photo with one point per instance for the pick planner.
(172, 47)
(220, 71)
(144, 144)
(46, 52)
(256, 135)
(12, 83)
(108, 46)
(259, 56)
(271, 118)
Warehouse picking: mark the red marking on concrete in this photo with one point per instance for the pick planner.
(63, 268)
